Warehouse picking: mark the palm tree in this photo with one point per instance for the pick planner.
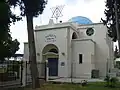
(30, 9)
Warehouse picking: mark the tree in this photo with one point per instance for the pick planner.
(8, 47)
(112, 13)
(116, 53)
(30, 9)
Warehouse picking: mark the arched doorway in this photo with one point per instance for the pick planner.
(50, 53)
(74, 36)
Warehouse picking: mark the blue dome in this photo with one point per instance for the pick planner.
(80, 20)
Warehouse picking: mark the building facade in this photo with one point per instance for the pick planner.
(73, 49)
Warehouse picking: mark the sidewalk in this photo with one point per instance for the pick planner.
(76, 80)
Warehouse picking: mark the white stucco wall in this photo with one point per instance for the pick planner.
(26, 52)
(71, 48)
(101, 48)
(86, 48)
(61, 43)
(63, 33)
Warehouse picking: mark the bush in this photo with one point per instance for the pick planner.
(83, 82)
(111, 82)
(107, 79)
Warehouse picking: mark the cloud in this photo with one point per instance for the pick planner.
(19, 31)
(87, 1)
(71, 2)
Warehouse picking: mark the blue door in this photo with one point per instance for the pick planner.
(53, 66)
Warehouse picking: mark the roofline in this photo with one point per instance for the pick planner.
(83, 40)
(25, 42)
(55, 26)
(90, 24)
(62, 25)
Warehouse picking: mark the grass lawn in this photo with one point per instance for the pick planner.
(90, 86)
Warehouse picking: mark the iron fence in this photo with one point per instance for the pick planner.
(41, 70)
(11, 73)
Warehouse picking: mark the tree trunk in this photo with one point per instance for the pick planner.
(32, 53)
(117, 24)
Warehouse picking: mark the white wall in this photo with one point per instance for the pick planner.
(61, 43)
(69, 47)
(102, 49)
(26, 52)
(85, 47)
(63, 33)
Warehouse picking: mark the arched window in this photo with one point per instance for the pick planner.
(74, 36)
(53, 50)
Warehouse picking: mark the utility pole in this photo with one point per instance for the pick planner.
(117, 24)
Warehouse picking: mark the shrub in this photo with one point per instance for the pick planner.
(107, 79)
(111, 82)
(84, 82)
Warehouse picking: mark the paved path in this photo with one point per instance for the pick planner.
(76, 80)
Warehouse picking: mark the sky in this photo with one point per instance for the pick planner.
(93, 9)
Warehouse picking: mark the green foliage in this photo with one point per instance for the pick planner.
(110, 82)
(84, 82)
(113, 81)
(8, 47)
(109, 21)
(29, 7)
(91, 86)
(107, 79)
(116, 53)
(117, 64)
